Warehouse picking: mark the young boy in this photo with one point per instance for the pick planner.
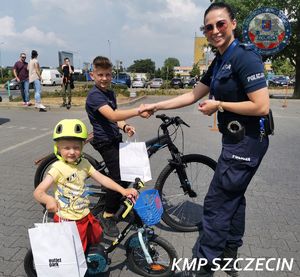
(101, 106)
(67, 175)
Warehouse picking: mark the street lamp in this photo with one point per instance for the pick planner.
(1, 61)
(206, 50)
(109, 49)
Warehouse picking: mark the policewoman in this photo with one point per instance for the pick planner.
(237, 90)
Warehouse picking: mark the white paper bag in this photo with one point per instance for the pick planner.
(57, 250)
(134, 162)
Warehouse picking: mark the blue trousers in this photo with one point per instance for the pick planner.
(225, 203)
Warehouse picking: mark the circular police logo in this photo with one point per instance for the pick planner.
(268, 29)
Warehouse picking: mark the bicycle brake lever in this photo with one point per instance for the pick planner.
(179, 121)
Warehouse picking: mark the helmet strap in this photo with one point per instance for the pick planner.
(59, 157)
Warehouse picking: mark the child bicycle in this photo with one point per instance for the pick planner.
(182, 184)
(147, 253)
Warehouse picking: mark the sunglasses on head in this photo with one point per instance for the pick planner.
(221, 25)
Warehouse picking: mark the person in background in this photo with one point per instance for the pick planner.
(20, 72)
(68, 83)
(238, 92)
(35, 78)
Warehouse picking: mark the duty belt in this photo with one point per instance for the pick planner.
(236, 131)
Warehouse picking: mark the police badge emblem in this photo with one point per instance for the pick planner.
(268, 29)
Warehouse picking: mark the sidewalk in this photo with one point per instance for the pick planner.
(55, 102)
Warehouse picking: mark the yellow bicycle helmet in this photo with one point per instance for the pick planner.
(69, 128)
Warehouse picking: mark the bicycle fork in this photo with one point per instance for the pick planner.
(142, 243)
(183, 178)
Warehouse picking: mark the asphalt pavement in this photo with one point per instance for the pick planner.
(273, 210)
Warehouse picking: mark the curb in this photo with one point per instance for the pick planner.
(16, 105)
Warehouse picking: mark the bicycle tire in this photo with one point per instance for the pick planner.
(138, 264)
(186, 215)
(29, 264)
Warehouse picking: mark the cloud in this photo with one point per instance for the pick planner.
(31, 35)
(181, 9)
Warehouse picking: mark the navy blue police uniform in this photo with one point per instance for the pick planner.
(231, 77)
(106, 140)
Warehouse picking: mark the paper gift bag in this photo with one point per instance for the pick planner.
(134, 162)
(55, 250)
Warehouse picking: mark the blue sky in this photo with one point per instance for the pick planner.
(125, 30)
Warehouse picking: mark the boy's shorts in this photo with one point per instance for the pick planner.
(89, 230)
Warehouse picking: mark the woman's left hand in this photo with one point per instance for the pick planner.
(208, 107)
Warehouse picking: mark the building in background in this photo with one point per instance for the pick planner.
(62, 55)
(182, 71)
(203, 55)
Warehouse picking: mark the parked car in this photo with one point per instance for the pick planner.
(14, 84)
(122, 79)
(138, 83)
(156, 83)
(192, 82)
(51, 77)
(176, 83)
(278, 81)
(293, 81)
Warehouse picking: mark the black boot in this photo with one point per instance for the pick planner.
(204, 271)
(230, 253)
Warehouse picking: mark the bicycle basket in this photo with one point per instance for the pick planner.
(149, 207)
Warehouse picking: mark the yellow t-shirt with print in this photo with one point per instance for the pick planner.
(70, 190)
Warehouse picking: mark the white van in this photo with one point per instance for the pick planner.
(51, 77)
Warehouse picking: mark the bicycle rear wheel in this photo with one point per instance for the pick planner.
(182, 212)
(161, 252)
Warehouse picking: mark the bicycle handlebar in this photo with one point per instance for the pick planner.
(127, 204)
(167, 121)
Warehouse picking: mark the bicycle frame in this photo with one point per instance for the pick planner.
(162, 141)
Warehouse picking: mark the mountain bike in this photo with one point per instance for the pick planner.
(182, 184)
(147, 253)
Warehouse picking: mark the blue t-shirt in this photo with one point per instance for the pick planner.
(104, 130)
(241, 74)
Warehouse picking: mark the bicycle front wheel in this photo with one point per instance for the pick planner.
(182, 212)
(162, 254)
(29, 264)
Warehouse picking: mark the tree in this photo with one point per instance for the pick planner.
(167, 71)
(142, 66)
(283, 67)
(157, 73)
(196, 70)
(292, 10)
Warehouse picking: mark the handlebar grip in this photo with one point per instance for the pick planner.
(161, 116)
(124, 209)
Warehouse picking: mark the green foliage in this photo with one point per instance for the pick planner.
(142, 66)
(283, 67)
(195, 71)
(167, 71)
(157, 73)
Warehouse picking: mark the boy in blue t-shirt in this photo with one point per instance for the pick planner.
(107, 121)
